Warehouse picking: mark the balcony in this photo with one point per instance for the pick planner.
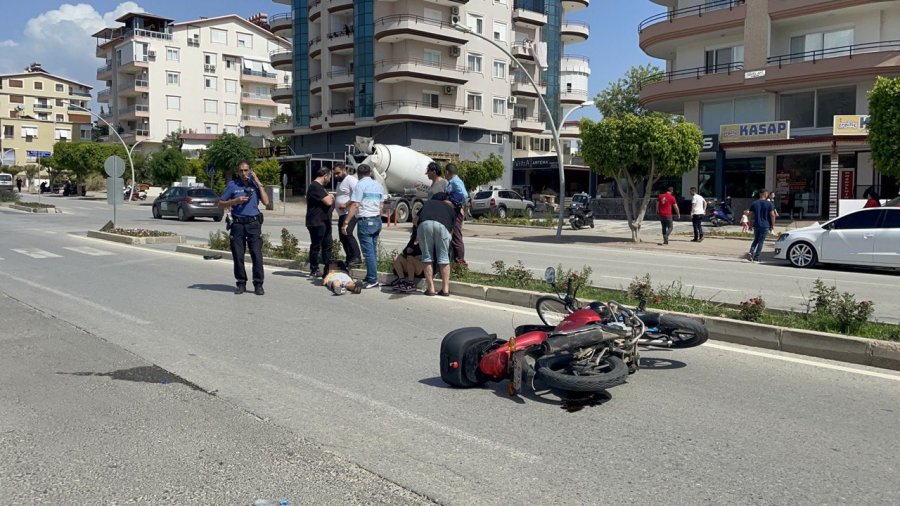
(42, 106)
(658, 33)
(570, 130)
(532, 124)
(341, 117)
(449, 3)
(400, 27)
(104, 73)
(339, 5)
(103, 95)
(338, 79)
(574, 32)
(138, 64)
(282, 59)
(833, 64)
(784, 9)
(258, 76)
(315, 48)
(314, 9)
(521, 87)
(574, 5)
(667, 91)
(316, 120)
(133, 136)
(575, 63)
(529, 13)
(417, 70)
(134, 111)
(257, 99)
(281, 129)
(342, 41)
(282, 24)
(569, 96)
(77, 93)
(134, 88)
(393, 110)
(257, 121)
(315, 84)
(522, 51)
(283, 94)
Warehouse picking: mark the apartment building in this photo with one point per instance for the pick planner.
(401, 73)
(38, 109)
(203, 77)
(779, 88)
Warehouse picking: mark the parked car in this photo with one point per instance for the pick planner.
(868, 237)
(894, 202)
(188, 203)
(6, 183)
(501, 203)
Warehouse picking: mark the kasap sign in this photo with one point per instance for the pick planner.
(851, 124)
(749, 132)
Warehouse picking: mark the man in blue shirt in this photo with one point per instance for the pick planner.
(459, 196)
(762, 217)
(243, 195)
(366, 202)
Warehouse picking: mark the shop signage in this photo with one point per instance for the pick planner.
(847, 184)
(536, 162)
(748, 132)
(754, 74)
(851, 124)
(38, 154)
(710, 143)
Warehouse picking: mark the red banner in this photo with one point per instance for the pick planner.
(847, 187)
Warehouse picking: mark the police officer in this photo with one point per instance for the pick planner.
(243, 195)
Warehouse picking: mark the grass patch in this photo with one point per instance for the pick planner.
(518, 221)
(139, 232)
(9, 197)
(36, 205)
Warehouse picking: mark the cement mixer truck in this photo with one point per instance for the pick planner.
(399, 169)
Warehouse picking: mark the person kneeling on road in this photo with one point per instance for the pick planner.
(408, 264)
(339, 282)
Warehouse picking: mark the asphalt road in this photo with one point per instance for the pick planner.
(356, 377)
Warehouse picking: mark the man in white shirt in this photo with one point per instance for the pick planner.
(366, 202)
(342, 202)
(698, 212)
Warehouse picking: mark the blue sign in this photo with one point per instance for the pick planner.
(38, 154)
(210, 170)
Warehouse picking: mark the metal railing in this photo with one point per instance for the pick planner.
(580, 24)
(73, 93)
(315, 78)
(104, 68)
(134, 108)
(418, 62)
(75, 108)
(345, 32)
(313, 4)
(267, 119)
(520, 79)
(578, 57)
(399, 18)
(280, 50)
(284, 87)
(345, 110)
(278, 17)
(137, 83)
(39, 105)
(573, 91)
(105, 91)
(315, 115)
(259, 73)
(415, 104)
(139, 32)
(341, 73)
(257, 96)
(136, 133)
(696, 10)
(834, 52)
(525, 117)
(696, 72)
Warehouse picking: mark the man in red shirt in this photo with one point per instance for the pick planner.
(665, 205)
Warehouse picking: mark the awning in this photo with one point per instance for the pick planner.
(809, 144)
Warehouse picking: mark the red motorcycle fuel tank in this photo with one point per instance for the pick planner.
(495, 364)
(579, 318)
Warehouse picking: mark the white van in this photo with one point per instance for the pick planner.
(6, 183)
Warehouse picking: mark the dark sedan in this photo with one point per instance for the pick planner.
(188, 203)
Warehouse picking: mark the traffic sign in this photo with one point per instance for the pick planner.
(114, 192)
(114, 166)
(210, 170)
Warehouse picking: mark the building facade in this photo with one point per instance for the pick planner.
(38, 109)
(400, 72)
(774, 84)
(203, 77)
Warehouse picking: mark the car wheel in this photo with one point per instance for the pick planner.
(156, 214)
(217, 218)
(802, 255)
(529, 212)
(181, 215)
(501, 212)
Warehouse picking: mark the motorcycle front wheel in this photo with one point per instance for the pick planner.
(683, 332)
(564, 372)
(551, 310)
(575, 224)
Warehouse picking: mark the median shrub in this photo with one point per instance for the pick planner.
(751, 310)
(518, 273)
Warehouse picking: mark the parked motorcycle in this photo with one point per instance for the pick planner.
(135, 194)
(720, 213)
(580, 215)
(590, 349)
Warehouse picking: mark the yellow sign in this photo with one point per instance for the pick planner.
(851, 124)
(748, 132)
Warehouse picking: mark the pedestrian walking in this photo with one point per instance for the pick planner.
(243, 195)
(665, 206)
(318, 221)
(762, 215)
(698, 212)
(366, 202)
(342, 202)
(745, 221)
(435, 223)
(438, 183)
(458, 195)
(19, 184)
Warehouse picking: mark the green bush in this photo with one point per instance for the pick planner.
(641, 289)
(517, 274)
(9, 197)
(752, 310)
(847, 314)
(219, 240)
(337, 251)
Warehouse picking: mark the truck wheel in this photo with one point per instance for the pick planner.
(402, 212)
(416, 207)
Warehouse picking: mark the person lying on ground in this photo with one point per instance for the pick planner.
(339, 282)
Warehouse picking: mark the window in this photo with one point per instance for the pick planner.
(856, 221)
(741, 110)
(500, 69)
(475, 23)
(173, 125)
(29, 131)
(821, 45)
(60, 118)
(63, 134)
(16, 99)
(496, 137)
(473, 101)
(520, 142)
(431, 99)
(230, 86)
(831, 102)
(232, 109)
(43, 116)
(59, 102)
(210, 128)
(474, 62)
(209, 83)
(210, 106)
(9, 131)
(209, 58)
(16, 83)
(218, 36)
(724, 59)
(172, 54)
(60, 88)
(540, 144)
(244, 40)
(173, 78)
(38, 85)
(499, 31)
(799, 109)
(891, 219)
(499, 106)
(432, 58)
(173, 103)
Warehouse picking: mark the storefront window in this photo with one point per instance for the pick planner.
(832, 102)
(706, 183)
(799, 109)
(797, 183)
(743, 176)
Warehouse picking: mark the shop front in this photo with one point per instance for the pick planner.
(540, 174)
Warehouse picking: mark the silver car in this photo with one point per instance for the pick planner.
(501, 203)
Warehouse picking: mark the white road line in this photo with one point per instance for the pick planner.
(42, 231)
(401, 413)
(79, 299)
(36, 253)
(716, 288)
(87, 250)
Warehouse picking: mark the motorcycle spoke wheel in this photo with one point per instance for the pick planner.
(563, 372)
(551, 310)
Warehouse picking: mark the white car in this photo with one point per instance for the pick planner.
(868, 237)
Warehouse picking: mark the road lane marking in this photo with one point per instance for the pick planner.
(79, 299)
(87, 250)
(36, 253)
(401, 413)
(833, 367)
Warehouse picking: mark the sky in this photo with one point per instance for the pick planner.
(58, 34)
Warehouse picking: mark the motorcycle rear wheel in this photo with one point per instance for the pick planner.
(564, 373)
(551, 310)
(684, 332)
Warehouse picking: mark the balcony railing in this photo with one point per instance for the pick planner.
(138, 83)
(418, 105)
(315, 78)
(134, 108)
(313, 4)
(315, 115)
(138, 32)
(261, 119)
(136, 133)
(576, 23)
(346, 31)
(696, 10)
(578, 57)
(421, 63)
(257, 96)
(341, 73)
(76, 108)
(345, 110)
(104, 68)
(399, 18)
(696, 72)
(277, 17)
(259, 73)
(834, 52)
(39, 105)
(74, 93)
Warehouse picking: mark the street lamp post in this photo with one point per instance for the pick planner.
(554, 128)
(113, 130)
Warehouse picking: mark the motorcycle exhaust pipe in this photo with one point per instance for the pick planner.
(592, 337)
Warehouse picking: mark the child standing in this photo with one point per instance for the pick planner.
(745, 221)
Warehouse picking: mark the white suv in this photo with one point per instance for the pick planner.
(501, 203)
(6, 183)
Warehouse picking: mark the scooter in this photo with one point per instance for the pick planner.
(135, 195)
(580, 215)
(720, 214)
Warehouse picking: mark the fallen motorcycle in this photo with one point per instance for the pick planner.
(590, 349)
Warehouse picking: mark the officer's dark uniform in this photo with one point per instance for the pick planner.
(246, 230)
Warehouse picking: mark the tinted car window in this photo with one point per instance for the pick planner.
(202, 192)
(891, 219)
(857, 220)
(514, 195)
(483, 195)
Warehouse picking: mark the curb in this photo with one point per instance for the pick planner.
(28, 209)
(127, 239)
(855, 350)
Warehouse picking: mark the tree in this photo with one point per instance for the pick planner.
(884, 125)
(166, 166)
(268, 171)
(82, 158)
(478, 172)
(622, 96)
(637, 151)
(226, 152)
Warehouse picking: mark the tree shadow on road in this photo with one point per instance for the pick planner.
(572, 239)
(212, 287)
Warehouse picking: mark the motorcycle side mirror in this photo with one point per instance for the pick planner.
(550, 276)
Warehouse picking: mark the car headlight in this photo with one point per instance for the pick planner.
(783, 237)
